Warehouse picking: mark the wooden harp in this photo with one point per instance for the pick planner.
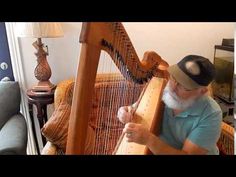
(112, 38)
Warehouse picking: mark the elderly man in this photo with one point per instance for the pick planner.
(191, 120)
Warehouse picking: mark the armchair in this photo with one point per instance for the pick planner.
(105, 83)
(225, 142)
(13, 129)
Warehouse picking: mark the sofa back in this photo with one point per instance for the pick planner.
(9, 100)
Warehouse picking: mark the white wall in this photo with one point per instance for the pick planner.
(175, 40)
(170, 40)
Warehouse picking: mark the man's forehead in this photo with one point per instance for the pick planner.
(173, 78)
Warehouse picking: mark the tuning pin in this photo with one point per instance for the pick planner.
(112, 48)
(145, 79)
(139, 81)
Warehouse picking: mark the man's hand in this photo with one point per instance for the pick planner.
(140, 134)
(124, 114)
(137, 133)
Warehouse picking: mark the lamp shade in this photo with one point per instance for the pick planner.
(39, 30)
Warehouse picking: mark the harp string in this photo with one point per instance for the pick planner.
(94, 38)
(110, 110)
(118, 85)
(122, 97)
(126, 57)
(107, 129)
(110, 124)
(98, 111)
(113, 98)
(134, 108)
(107, 122)
(123, 47)
(101, 91)
(103, 127)
(128, 85)
(124, 148)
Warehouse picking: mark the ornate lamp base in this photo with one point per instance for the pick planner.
(43, 86)
(42, 71)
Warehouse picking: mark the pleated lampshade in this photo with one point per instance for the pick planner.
(39, 29)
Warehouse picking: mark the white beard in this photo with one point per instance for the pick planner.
(173, 101)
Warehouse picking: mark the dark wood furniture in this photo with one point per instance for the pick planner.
(40, 100)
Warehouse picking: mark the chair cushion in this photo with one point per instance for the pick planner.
(56, 128)
(9, 100)
(13, 136)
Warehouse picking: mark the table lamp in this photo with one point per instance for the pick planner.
(40, 30)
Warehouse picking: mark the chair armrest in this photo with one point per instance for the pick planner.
(49, 149)
(227, 130)
(60, 91)
(13, 136)
(226, 141)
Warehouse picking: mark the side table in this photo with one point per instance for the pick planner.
(40, 100)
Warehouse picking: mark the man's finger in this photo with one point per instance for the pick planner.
(130, 125)
(128, 130)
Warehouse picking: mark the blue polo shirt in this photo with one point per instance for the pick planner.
(200, 123)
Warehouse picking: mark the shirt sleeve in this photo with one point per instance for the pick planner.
(207, 133)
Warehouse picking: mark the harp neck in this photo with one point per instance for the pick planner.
(113, 38)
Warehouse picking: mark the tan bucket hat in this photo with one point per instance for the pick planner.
(193, 71)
